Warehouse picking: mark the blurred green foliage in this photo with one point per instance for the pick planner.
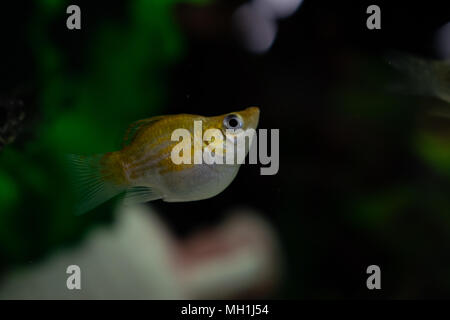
(435, 150)
(85, 111)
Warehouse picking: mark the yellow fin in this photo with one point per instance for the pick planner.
(91, 186)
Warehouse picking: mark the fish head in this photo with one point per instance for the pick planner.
(239, 120)
(237, 128)
(244, 120)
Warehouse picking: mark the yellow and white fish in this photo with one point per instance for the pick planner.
(144, 168)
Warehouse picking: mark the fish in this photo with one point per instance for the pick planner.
(426, 76)
(144, 170)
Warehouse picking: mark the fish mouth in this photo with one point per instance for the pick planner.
(251, 116)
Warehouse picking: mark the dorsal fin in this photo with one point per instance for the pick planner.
(137, 127)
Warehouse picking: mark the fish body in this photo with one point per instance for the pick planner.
(144, 167)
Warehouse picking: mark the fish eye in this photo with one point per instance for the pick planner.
(232, 121)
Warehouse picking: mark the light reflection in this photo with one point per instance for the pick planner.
(442, 41)
(256, 22)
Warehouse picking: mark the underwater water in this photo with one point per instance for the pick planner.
(363, 173)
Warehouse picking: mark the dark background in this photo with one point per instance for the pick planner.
(358, 184)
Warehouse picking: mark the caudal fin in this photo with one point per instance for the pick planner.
(93, 181)
(426, 77)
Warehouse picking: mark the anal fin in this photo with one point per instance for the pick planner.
(140, 194)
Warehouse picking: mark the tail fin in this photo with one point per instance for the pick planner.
(94, 181)
(427, 77)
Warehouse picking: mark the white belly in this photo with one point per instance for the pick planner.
(197, 183)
